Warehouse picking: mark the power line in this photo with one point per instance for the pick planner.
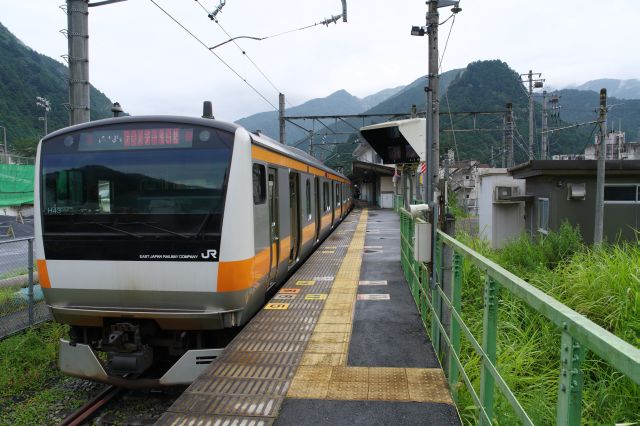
(244, 52)
(214, 54)
(446, 93)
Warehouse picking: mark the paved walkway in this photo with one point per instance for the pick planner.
(341, 343)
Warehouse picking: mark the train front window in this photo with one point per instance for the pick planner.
(146, 191)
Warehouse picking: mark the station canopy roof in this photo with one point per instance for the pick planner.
(398, 142)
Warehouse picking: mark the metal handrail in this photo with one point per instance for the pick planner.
(578, 332)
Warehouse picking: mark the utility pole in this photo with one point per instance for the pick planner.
(533, 84)
(78, 45)
(433, 102)
(601, 154)
(509, 135)
(78, 36)
(544, 149)
(281, 119)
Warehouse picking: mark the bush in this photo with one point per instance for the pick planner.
(600, 283)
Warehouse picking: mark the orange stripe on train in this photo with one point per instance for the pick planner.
(265, 155)
(43, 273)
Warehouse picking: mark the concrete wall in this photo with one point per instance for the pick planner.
(620, 219)
(499, 222)
(386, 184)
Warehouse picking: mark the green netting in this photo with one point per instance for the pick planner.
(16, 184)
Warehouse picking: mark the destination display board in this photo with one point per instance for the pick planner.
(140, 138)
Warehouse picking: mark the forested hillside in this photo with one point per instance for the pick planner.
(26, 74)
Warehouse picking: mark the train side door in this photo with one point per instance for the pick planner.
(318, 209)
(294, 215)
(341, 198)
(274, 229)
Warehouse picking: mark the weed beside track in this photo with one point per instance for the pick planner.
(602, 284)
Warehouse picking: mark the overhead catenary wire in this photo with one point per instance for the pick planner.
(214, 54)
(446, 92)
(245, 53)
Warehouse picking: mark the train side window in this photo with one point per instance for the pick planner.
(325, 195)
(308, 194)
(259, 185)
(337, 194)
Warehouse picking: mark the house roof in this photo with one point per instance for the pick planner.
(359, 167)
(534, 168)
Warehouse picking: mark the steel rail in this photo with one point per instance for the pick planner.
(90, 408)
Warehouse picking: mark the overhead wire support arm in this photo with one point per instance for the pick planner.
(214, 54)
(236, 38)
(217, 10)
(102, 3)
(557, 129)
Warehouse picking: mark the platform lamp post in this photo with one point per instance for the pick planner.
(432, 154)
(46, 107)
(433, 92)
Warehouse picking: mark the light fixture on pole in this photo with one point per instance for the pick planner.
(432, 91)
(46, 106)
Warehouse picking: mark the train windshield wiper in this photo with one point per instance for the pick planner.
(111, 227)
(150, 225)
(203, 225)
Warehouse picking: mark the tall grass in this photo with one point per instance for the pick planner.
(602, 284)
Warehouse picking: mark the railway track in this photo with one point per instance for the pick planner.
(92, 407)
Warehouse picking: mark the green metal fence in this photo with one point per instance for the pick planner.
(578, 333)
(398, 203)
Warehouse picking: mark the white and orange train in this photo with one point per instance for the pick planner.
(156, 235)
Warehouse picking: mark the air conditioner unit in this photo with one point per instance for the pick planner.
(576, 191)
(504, 194)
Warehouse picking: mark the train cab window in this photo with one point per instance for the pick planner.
(326, 196)
(259, 186)
(308, 195)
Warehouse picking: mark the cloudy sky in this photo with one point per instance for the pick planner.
(144, 60)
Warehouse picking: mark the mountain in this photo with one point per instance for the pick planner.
(413, 94)
(337, 103)
(579, 106)
(622, 89)
(373, 100)
(26, 74)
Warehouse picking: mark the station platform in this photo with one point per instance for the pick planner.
(342, 342)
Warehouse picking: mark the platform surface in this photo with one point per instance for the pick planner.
(340, 343)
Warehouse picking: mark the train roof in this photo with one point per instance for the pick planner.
(258, 138)
(292, 152)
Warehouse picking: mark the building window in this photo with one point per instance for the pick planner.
(543, 215)
(259, 185)
(621, 193)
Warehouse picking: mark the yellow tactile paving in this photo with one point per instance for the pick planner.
(316, 373)
(323, 371)
(313, 390)
(350, 374)
(321, 359)
(329, 337)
